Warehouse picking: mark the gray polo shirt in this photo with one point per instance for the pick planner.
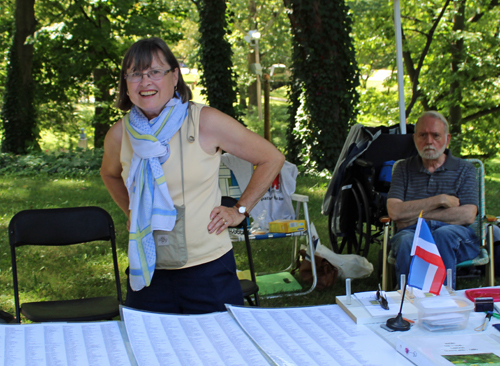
(456, 177)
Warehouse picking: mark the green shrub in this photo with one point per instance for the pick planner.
(69, 164)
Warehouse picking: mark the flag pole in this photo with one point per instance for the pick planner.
(399, 63)
(398, 323)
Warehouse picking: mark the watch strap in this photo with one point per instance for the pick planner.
(237, 205)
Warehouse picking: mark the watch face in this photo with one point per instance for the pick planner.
(241, 210)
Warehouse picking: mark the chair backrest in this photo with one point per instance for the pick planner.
(478, 225)
(61, 226)
(388, 147)
(227, 182)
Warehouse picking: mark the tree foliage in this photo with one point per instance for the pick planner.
(270, 19)
(325, 78)
(77, 52)
(450, 51)
(6, 32)
(95, 35)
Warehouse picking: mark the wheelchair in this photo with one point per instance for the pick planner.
(356, 196)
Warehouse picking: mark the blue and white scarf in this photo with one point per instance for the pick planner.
(151, 206)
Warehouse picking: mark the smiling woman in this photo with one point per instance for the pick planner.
(152, 89)
(150, 69)
(160, 166)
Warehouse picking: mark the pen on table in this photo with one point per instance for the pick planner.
(409, 320)
(487, 319)
(382, 300)
(495, 315)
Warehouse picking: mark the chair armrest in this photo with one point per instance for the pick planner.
(300, 197)
(491, 218)
(385, 219)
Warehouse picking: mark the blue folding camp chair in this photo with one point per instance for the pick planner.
(229, 187)
(482, 226)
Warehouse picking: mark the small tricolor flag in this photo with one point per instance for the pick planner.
(427, 271)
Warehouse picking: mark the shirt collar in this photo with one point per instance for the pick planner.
(451, 163)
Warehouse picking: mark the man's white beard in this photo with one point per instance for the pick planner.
(429, 152)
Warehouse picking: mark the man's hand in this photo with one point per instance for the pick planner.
(448, 201)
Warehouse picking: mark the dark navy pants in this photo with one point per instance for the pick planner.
(195, 290)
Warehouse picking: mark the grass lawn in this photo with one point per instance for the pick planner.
(87, 269)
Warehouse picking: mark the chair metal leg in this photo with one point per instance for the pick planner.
(311, 248)
(491, 263)
(295, 246)
(384, 257)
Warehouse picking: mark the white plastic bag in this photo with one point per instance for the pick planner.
(349, 265)
(258, 224)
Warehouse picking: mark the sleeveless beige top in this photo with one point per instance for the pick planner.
(201, 188)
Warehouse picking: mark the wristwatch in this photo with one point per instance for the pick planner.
(241, 209)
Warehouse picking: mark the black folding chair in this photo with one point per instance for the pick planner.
(249, 287)
(61, 227)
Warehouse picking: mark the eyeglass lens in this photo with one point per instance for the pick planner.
(135, 77)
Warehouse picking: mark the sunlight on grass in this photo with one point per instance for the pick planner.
(90, 267)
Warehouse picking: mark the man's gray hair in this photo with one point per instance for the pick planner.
(436, 115)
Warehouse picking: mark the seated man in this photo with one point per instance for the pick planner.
(443, 187)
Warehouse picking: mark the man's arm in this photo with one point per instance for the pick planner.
(443, 207)
(462, 215)
(400, 210)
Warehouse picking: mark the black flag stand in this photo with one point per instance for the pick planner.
(398, 323)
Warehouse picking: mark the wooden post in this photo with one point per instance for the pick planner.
(267, 113)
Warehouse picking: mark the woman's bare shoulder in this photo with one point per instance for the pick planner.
(114, 135)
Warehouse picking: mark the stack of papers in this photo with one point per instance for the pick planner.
(363, 307)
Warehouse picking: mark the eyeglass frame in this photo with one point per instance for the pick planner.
(147, 73)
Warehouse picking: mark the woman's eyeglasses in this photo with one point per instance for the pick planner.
(156, 74)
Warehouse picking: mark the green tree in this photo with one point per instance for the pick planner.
(451, 60)
(18, 113)
(325, 77)
(215, 56)
(94, 36)
(75, 53)
(7, 25)
(270, 19)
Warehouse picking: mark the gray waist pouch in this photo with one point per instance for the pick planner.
(171, 248)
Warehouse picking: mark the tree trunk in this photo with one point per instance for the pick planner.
(18, 112)
(457, 54)
(215, 56)
(325, 68)
(267, 110)
(243, 98)
(252, 88)
(101, 106)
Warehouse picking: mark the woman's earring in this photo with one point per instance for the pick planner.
(175, 88)
(127, 92)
